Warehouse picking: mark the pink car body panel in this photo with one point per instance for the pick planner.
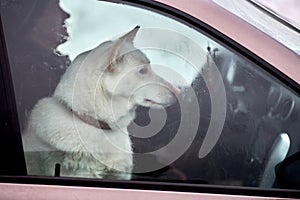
(28, 192)
(257, 42)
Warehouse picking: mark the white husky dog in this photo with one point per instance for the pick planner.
(83, 126)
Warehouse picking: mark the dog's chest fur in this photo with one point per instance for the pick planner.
(81, 149)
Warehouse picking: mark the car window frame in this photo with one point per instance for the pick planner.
(9, 123)
(15, 171)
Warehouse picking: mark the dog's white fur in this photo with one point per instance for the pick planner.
(106, 83)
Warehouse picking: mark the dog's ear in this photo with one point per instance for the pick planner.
(116, 54)
(129, 37)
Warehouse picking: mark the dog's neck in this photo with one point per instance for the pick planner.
(92, 121)
(88, 119)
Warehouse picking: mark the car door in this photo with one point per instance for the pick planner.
(233, 129)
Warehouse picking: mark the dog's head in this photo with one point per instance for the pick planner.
(129, 75)
(108, 81)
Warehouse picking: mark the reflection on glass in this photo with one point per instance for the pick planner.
(160, 101)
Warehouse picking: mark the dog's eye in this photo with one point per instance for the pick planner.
(143, 70)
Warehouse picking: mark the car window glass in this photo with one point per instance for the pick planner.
(141, 96)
